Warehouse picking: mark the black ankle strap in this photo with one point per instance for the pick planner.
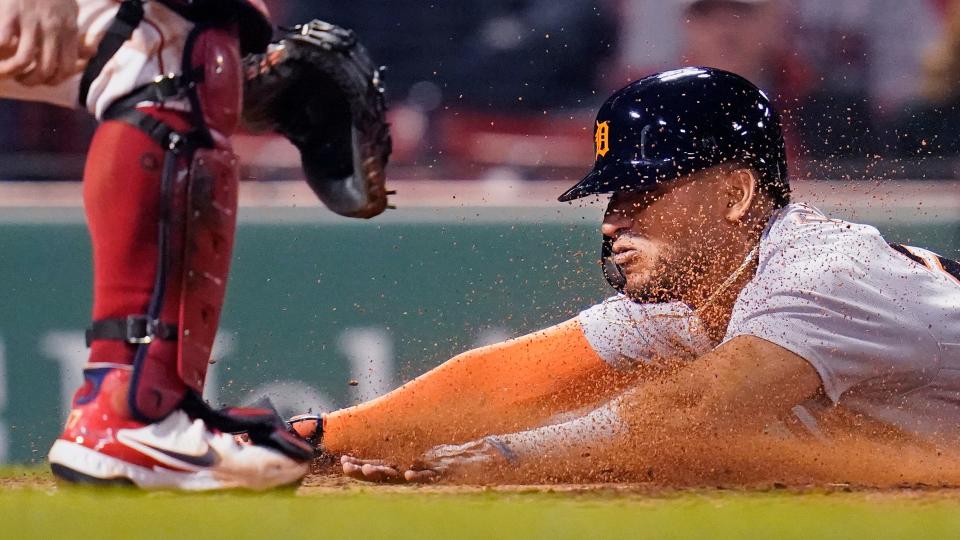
(136, 329)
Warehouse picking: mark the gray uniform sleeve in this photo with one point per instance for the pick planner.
(836, 294)
(623, 332)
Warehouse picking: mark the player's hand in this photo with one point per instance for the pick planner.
(40, 41)
(370, 470)
(473, 462)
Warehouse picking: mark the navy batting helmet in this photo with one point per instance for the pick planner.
(678, 122)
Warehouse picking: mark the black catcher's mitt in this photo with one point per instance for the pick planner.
(318, 87)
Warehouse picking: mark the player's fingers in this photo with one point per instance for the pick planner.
(360, 461)
(379, 473)
(352, 470)
(371, 473)
(422, 476)
(68, 61)
(26, 52)
(344, 459)
(47, 58)
(30, 77)
(24, 77)
(8, 36)
(425, 470)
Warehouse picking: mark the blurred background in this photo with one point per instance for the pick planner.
(507, 89)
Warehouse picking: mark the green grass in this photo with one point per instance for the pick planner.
(32, 508)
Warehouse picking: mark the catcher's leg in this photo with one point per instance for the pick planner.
(161, 201)
(136, 420)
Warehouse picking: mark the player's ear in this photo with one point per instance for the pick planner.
(741, 189)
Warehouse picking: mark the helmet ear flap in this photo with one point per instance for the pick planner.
(611, 270)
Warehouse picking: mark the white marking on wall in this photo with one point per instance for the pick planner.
(370, 352)
(69, 349)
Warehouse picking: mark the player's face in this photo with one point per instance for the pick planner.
(664, 240)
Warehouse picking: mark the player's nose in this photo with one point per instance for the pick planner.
(614, 221)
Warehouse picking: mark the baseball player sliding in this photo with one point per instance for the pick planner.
(751, 338)
(170, 80)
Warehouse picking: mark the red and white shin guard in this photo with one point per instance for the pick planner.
(169, 442)
(160, 191)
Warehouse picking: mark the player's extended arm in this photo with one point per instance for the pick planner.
(705, 425)
(500, 388)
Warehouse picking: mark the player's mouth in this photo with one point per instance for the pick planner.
(629, 250)
(625, 257)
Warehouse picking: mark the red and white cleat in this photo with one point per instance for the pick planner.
(102, 444)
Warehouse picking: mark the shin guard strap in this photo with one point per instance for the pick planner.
(135, 329)
(155, 387)
(167, 137)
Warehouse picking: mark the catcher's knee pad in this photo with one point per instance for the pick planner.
(197, 198)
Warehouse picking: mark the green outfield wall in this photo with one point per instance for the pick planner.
(321, 311)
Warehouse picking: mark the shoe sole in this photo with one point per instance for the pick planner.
(67, 474)
(78, 464)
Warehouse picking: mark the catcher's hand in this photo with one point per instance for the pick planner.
(319, 88)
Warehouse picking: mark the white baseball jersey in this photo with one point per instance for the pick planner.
(156, 48)
(882, 329)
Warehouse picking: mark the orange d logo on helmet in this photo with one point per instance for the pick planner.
(601, 138)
